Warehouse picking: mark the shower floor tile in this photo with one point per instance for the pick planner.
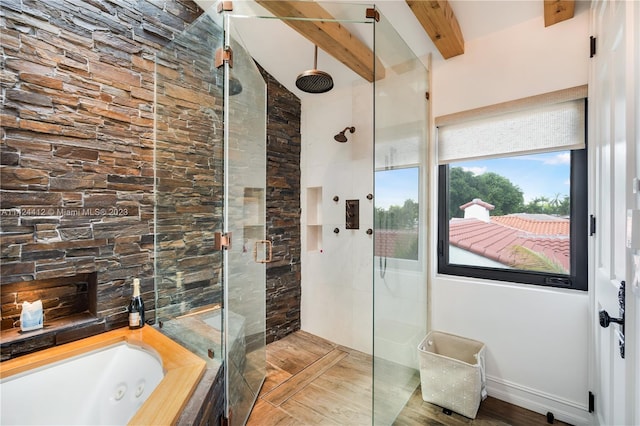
(312, 381)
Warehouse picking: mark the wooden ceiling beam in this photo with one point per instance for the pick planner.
(440, 23)
(557, 11)
(318, 26)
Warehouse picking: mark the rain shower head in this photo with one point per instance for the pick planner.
(341, 137)
(235, 87)
(314, 81)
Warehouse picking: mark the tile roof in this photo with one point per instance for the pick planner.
(386, 240)
(540, 224)
(479, 202)
(497, 241)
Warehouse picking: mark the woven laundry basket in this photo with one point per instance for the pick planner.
(452, 372)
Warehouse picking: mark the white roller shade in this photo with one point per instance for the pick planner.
(536, 128)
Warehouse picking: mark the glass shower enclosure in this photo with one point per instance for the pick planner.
(210, 172)
(210, 158)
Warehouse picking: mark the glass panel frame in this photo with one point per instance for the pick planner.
(400, 293)
(393, 381)
(244, 309)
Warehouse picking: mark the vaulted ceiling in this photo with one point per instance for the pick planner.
(436, 17)
(428, 26)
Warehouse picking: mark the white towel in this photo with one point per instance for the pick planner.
(31, 317)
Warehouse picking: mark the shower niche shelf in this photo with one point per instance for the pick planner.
(314, 218)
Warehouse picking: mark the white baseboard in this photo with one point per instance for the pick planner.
(564, 410)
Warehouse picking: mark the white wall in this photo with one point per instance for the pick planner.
(537, 338)
(337, 274)
(337, 299)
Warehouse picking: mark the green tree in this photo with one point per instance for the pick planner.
(559, 205)
(537, 205)
(398, 217)
(462, 189)
(490, 187)
(401, 218)
(564, 208)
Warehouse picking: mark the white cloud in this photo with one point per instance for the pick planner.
(475, 170)
(567, 182)
(564, 158)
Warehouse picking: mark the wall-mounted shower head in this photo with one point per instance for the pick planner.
(314, 81)
(341, 137)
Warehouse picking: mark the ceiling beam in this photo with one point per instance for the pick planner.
(440, 23)
(319, 27)
(557, 11)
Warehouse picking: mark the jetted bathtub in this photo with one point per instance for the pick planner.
(119, 377)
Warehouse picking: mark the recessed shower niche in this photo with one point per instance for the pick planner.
(314, 218)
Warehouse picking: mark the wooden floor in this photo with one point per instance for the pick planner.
(311, 381)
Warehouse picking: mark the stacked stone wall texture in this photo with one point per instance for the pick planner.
(77, 183)
(77, 81)
(283, 209)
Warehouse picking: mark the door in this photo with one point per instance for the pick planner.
(614, 147)
(247, 251)
(400, 225)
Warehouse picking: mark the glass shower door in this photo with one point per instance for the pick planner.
(247, 251)
(400, 257)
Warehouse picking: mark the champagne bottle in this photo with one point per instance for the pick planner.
(136, 307)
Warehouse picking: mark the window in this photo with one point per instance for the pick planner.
(513, 196)
(397, 213)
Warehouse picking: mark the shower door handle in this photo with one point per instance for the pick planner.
(269, 252)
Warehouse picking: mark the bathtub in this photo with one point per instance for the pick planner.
(119, 377)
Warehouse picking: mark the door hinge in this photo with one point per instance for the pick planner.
(373, 14)
(592, 46)
(592, 225)
(426, 95)
(225, 6)
(222, 241)
(592, 402)
(224, 55)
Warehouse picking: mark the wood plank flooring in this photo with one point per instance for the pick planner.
(311, 381)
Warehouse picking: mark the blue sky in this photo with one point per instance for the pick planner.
(395, 186)
(537, 175)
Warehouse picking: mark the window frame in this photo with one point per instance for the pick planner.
(578, 234)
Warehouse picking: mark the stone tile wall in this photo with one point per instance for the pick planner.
(283, 209)
(76, 144)
(77, 81)
(189, 171)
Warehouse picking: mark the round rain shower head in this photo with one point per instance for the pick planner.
(341, 137)
(235, 86)
(314, 81)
